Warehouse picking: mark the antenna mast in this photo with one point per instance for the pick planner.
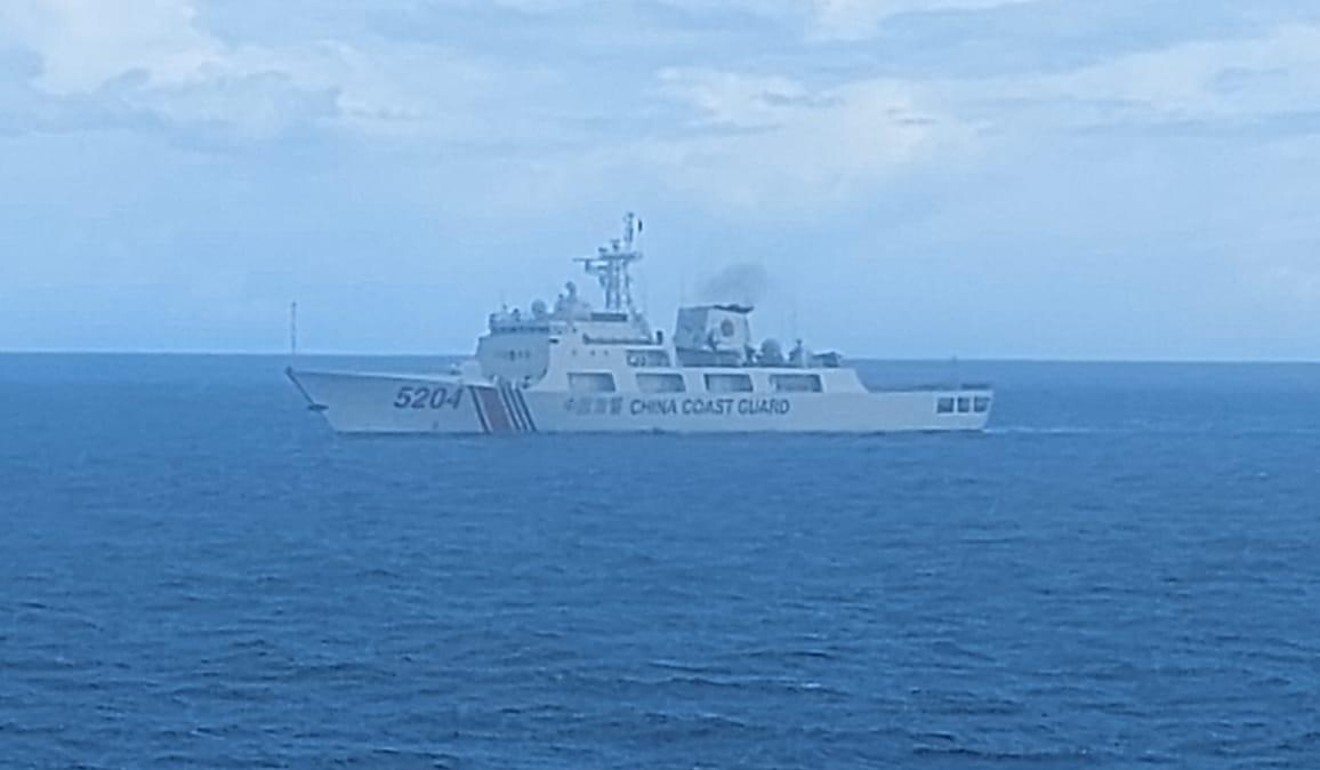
(293, 330)
(610, 265)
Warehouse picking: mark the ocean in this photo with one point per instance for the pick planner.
(1124, 571)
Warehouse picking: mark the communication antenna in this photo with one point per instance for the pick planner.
(793, 316)
(610, 265)
(293, 330)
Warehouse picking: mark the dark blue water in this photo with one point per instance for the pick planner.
(194, 573)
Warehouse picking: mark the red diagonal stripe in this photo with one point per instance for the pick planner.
(496, 413)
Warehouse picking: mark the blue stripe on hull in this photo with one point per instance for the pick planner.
(516, 405)
(510, 405)
(479, 402)
(527, 412)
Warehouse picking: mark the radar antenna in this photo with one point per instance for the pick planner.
(610, 265)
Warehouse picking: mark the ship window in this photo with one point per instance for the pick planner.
(728, 383)
(944, 406)
(964, 405)
(652, 358)
(591, 382)
(660, 383)
(981, 404)
(795, 383)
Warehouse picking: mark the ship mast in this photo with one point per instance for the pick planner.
(610, 265)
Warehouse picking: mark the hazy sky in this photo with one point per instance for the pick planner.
(918, 178)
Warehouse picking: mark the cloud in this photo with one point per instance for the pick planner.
(153, 63)
(738, 139)
(1228, 80)
(775, 144)
(770, 141)
(994, 159)
(1262, 85)
(83, 44)
(148, 61)
(861, 19)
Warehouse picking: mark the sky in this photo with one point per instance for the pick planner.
(1050, 179)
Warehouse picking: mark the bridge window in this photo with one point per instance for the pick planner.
(795, 383)
(981, 404)
(649, 358)
(964, 405)
(944, 406)
(728, 383)
(661, 383)
(591, 382)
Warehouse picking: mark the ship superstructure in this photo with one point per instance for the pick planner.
(573, 367)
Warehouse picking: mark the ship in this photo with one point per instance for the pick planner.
(576, 368)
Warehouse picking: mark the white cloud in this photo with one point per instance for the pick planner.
(1275, 74)
(748, 139)
(1213, 84)
(85, 43)
(154, 58)
(151, 57)
(860, 19)
(771, 142)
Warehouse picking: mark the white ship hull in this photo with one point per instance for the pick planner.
(369, 403)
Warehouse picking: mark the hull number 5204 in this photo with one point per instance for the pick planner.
(423, 397)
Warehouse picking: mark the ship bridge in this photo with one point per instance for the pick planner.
(518, 345)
